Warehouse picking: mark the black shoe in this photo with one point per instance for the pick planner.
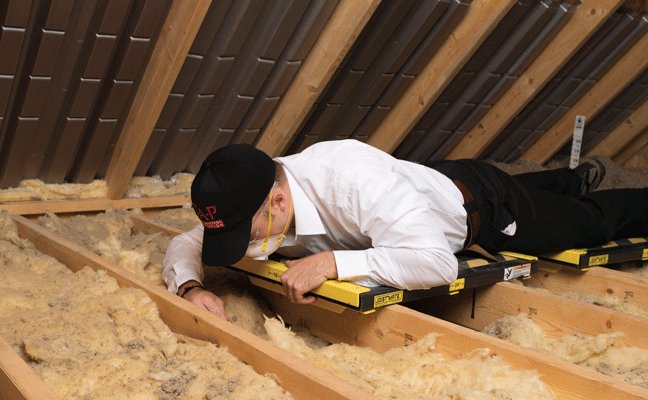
(592, 173)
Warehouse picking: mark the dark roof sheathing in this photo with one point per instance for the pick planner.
(513, 45)
(74, 68)
(235, 74)
(70, 69)
(397, 42)
(614, 114)
(580, 73)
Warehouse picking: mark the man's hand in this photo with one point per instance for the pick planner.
(306, 274)
(204, 299)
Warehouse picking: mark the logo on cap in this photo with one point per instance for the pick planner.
(207, 217)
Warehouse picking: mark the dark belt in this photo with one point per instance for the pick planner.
(473, 213)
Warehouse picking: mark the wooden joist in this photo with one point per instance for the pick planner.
(17, 380)
(587, 18)
(598, 281)
(397, 325)
(482, 17)
(91, 205)
(388, 327)
(556, 315)
(302, 379)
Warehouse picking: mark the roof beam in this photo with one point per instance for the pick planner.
(482, 17)
(624, 72)
(637, 145)
(178, 32)
(337, 37)
(623, 134)
(587, 18)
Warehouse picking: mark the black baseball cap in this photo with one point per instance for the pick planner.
(230, 187)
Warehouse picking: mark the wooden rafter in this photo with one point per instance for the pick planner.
(624, 72)
(482, 17)
(623, 134)
(176, 37)
(587, 18)
(632, 149)
(337, 37)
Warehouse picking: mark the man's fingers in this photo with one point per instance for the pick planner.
(209, 301)
(296, 287)
(216, 306)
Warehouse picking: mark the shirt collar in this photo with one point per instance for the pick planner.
(307, 219)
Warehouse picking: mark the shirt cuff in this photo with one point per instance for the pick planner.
(351, 264)
(185, 275)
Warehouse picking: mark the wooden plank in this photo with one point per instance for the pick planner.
(171, 48)
(556, 315)
(17, 380)
(639, 161)
(333, 44)
(632, 149)
(395, 326)
(302, 379)
(626, 70)
(587, 18)
(78, 206)
(623, 134)
(144, 224)
(597, 280)
(482, 17)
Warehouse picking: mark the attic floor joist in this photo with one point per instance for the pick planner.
(559, 321)
(387, 328)
(557, 315)
(90, 205)
(598, 281)
(397, 325)
(17, 380)
(303, 380)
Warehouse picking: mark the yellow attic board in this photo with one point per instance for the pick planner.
(344, 292)
(616, 251)
(568, 256)
(509, 255)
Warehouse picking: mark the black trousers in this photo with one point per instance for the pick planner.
(549, 215)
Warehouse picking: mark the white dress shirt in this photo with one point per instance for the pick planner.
(387, 221)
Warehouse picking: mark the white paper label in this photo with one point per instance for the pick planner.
(577, 140)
